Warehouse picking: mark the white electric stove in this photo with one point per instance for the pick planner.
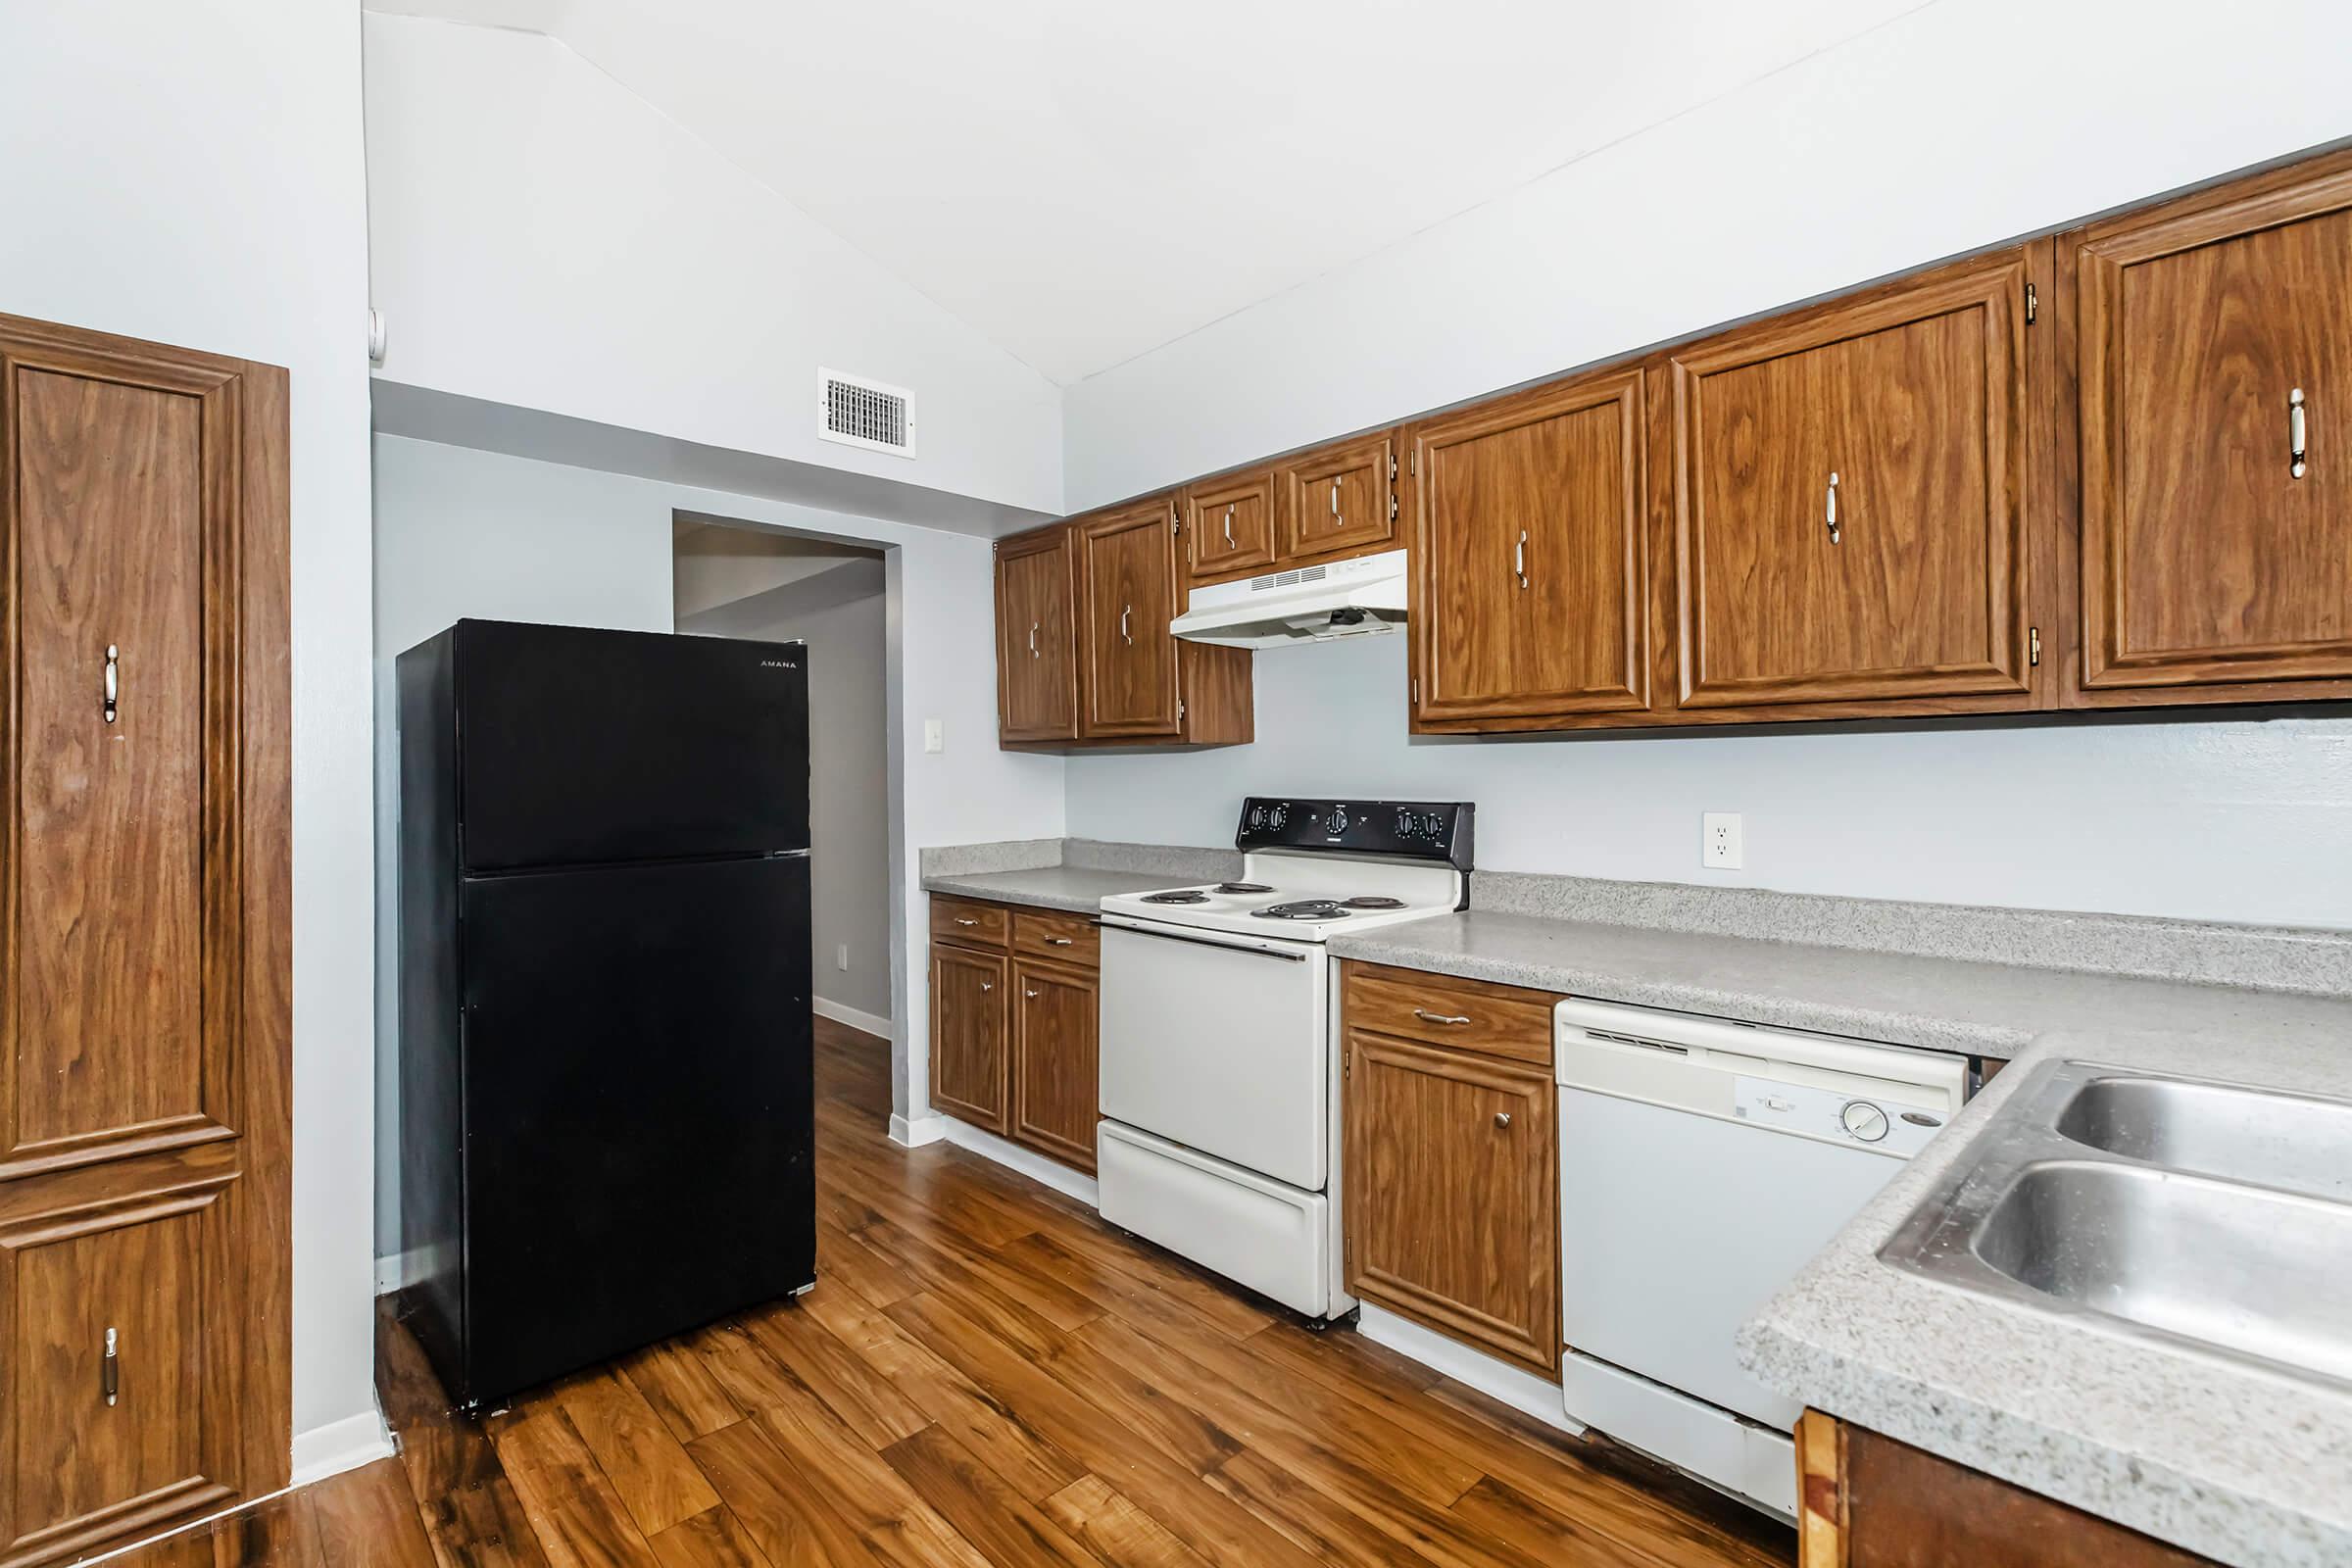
(1219, 1059)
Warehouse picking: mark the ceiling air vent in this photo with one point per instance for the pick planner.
(860, 412)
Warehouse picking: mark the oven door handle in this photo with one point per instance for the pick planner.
(1207, 942)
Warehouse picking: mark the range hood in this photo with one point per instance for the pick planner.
(1300, 605)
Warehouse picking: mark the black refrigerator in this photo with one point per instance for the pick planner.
(605, 1112)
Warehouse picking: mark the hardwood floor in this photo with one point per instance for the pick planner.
(985, 1374)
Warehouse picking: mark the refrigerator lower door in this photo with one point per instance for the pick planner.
(638, 1114)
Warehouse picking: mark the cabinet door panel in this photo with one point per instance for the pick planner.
(1128, 566)
(1338, 499)
(1229, 526)
(1054, 1098)
(1451, 1193)
(2206, 557)
(1849, 496)
(1037, 664)
(967, 1036)
(1528, 539)
(110, 533)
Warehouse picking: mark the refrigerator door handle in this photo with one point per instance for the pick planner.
(788, 855)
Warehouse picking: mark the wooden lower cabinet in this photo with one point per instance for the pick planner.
(1865, 1500)
(968, 1078)
(1055, 1101)
(1014, 1008)
(1453, 1192)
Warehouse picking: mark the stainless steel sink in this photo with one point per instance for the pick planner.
(2207, 1215)
(2295, 1142)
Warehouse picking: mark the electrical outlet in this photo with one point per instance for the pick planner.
(935, 735)
(1719, 841)
(841, 956)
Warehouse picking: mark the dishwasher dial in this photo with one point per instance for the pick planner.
(1863, 1120)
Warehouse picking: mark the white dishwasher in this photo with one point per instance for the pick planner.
(1702, 1163)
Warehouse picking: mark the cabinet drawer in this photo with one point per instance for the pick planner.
(975, 925)
(1051, 934)
(1464, 1014)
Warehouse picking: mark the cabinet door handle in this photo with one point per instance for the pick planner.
(1438, 1017)
(113, 678)
(1229, 528)
(1335, 500)
(1124, 611)
(110, 1371)
(1026, 992)
(1502, 1118)
(2294, 437)
(1519, 558)
(965, 919)
(1829, 514)
(988, 985)
(1033, 626)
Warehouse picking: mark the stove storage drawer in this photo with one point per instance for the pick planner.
(1494, 1020)
(968, 922)
(1063, 938)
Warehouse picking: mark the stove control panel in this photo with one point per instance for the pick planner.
(1421, 830)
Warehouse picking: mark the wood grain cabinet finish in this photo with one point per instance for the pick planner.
(1037, 656)
(970, 1077)
(1850, 498)
(1055, 1099)
(2213, 353)
(1532, 573)
(1127, 575)
(1865, 1500)
(1229, 526)
(1339, 500)
(143, 930)
(1452, 1200)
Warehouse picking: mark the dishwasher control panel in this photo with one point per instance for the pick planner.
(1875, 1122)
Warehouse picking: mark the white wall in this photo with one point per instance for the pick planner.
(544, 239)
(1949, 127)
(456, 526)
(192, 172)
(848, 814)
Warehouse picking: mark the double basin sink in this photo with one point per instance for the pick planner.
(2206, 1215)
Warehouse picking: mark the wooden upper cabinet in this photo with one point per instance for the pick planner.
(1127, 596)
(1229, 526)
(1338, 500)
(1531, 592)
(1850, 494)
(2217, 547)
(1037, 655)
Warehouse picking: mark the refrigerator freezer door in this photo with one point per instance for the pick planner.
(585, 747)
(637, 1115)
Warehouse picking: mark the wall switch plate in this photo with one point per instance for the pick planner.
(935, 735)
(841, 956)
(1719, 847)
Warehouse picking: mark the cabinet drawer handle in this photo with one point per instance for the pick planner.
(1057, 942)
(1229, 528)
(1124, 611)
(114, 676)
(2294, 439)
(1830, 515)
(110, 1371)
(1438, 1017)
(965, 919)
(1502, 1118)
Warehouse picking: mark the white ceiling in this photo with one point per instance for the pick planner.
(1083, 180)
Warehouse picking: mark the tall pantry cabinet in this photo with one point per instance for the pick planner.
(144, 892)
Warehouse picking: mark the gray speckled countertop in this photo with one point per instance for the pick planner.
(1076, 888)
(2241, 1464)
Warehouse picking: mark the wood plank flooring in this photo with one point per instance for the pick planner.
(985, 1374)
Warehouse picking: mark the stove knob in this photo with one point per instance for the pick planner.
(1282, 814)
(1405, 824)
(1863, 1120)
(1338, 821)
(1258, 817)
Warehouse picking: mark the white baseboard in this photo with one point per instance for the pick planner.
(1012, 1156)
(872, 1023)
(918, 1132)
(1522, 1391)
(340, 1446)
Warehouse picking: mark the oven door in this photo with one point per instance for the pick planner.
(1218, 1043)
